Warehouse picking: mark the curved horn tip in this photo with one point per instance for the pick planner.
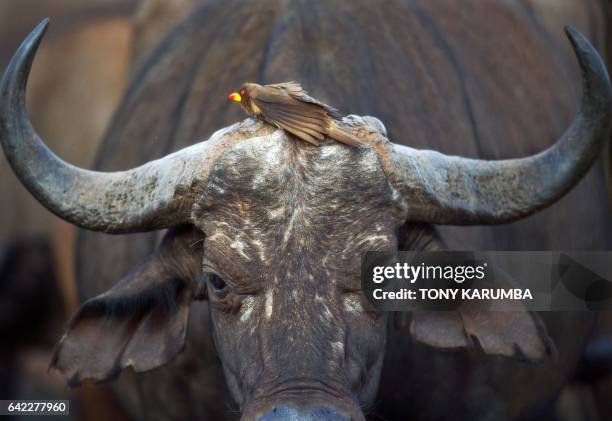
(582, 46)
(37, 33)
(580, 43)
(572, 33)
(20, 64)
(42, 26)
(596, 81)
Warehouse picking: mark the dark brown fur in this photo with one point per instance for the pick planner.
(484, 80)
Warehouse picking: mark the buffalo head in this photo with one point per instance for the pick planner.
(270, 231)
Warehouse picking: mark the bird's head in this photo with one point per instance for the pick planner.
(243, 94)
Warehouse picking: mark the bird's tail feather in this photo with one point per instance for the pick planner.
(340, 135)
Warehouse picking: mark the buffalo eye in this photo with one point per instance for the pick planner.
(216, 282)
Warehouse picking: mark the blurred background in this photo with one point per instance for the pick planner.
(81, 71)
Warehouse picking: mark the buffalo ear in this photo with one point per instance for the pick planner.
(141, 322)
(511, 331)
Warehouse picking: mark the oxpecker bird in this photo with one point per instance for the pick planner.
(288, 106)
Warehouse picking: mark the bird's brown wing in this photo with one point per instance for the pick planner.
(295, 90)
(307, 120)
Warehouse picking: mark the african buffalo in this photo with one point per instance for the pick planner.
(265, 233)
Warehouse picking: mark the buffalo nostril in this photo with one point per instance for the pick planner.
(316, 413)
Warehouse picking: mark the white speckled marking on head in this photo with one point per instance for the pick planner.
(269, 304)
(246, 308)
(338, 347)
(238, 245)
(352, 304)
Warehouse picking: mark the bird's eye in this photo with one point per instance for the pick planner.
(216, 282)
(242, 92)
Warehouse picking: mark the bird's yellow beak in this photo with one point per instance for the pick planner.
(235, 97)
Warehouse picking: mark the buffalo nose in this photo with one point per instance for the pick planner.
(317, 413)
